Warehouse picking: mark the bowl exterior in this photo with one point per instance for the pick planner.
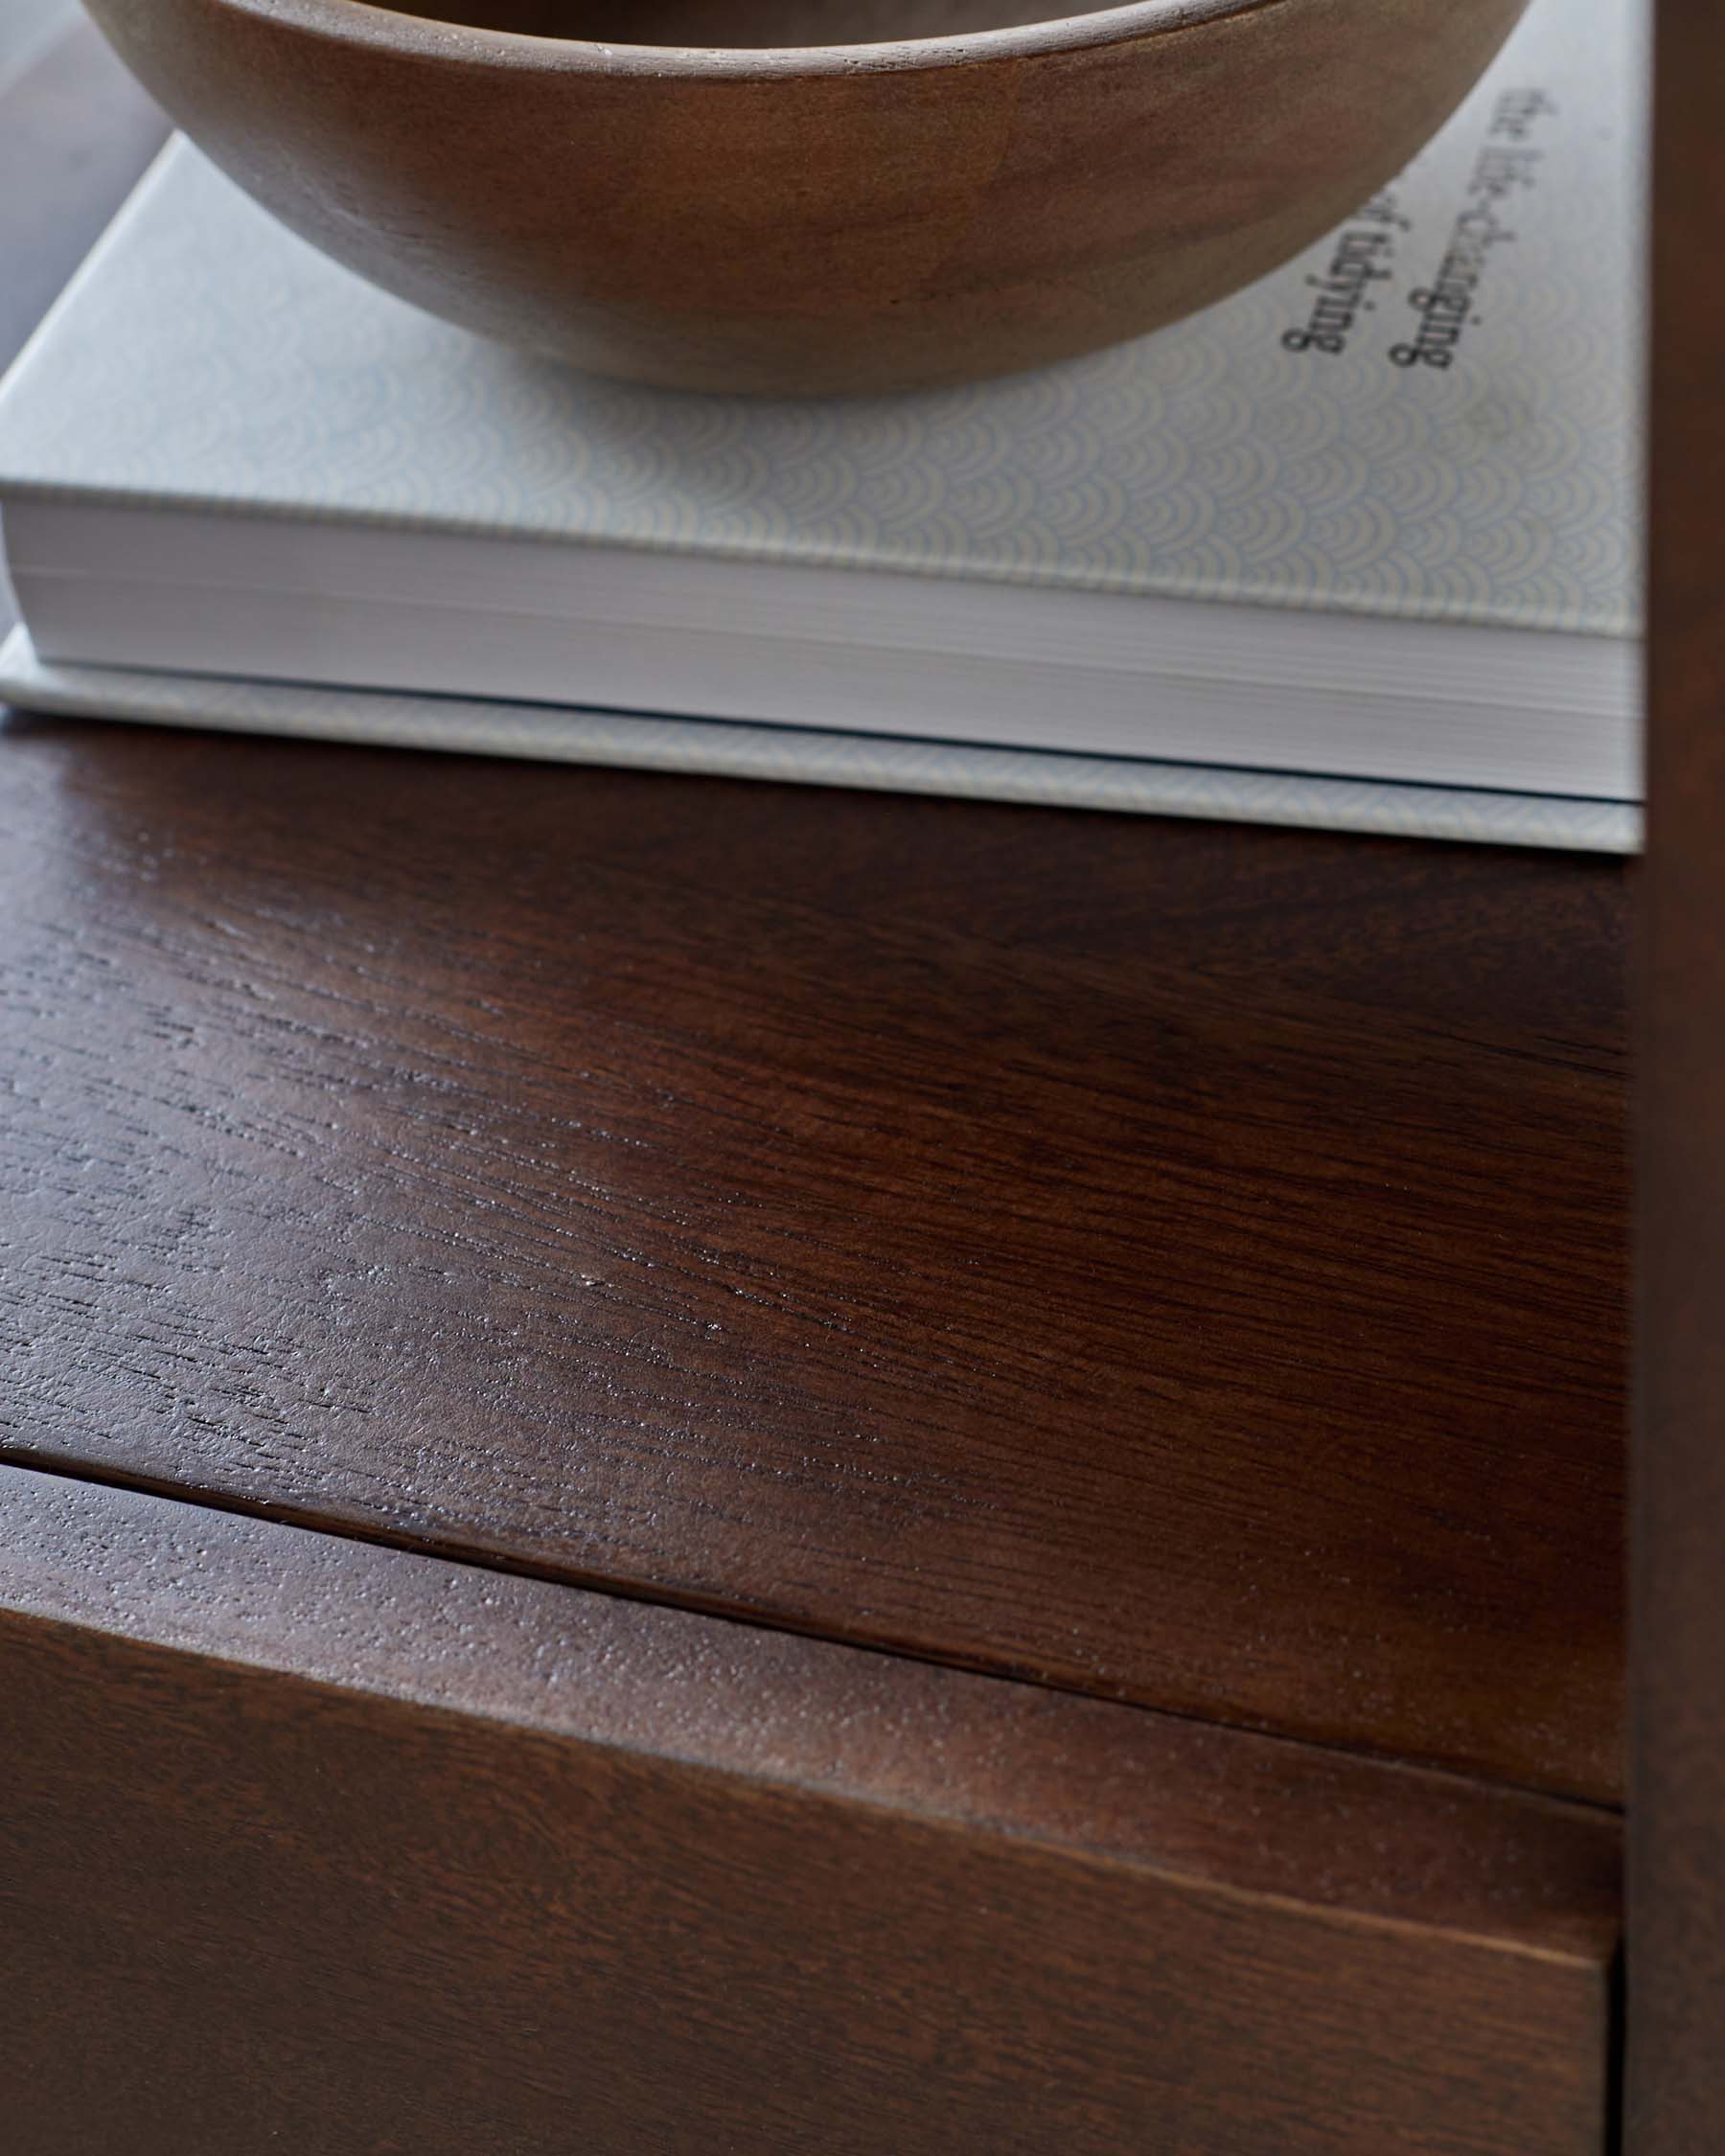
(873, 228)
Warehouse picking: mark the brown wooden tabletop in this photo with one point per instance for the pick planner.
(1184, 1262)
(1180, 1263)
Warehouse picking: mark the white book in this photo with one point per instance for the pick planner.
(1372, 524)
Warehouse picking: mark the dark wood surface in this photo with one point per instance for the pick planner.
(1676, 1988)
(336, 1848)
(1163, 1260)
(1180, 1262)
(1175, 1261)
(1170, 1261)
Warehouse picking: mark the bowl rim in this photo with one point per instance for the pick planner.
(376, 24)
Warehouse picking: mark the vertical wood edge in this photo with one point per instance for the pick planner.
(1675, 1969)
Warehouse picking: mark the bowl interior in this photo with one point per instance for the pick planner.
(740, 24)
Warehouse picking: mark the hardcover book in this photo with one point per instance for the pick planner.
(1358, 546)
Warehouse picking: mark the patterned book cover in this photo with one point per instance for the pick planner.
(1431, 413)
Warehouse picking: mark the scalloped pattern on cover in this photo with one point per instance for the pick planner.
(1210, 460)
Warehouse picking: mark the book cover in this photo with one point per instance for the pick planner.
(1431, 413)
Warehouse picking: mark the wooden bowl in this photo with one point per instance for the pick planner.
(689, 193)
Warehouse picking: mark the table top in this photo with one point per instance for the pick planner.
(1175, 1261)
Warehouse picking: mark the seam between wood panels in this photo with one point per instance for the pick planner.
(479, 1559)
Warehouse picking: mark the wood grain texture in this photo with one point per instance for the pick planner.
(323, 1846)
(812, 220)
(1171, 1261)
(1180, 1263)
(75, 131)
(1676, 1967)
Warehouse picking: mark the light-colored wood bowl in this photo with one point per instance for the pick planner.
(809, 196)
